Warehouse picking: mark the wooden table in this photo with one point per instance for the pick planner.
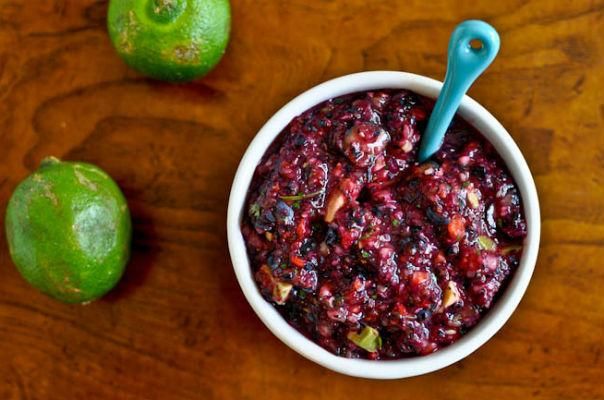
(177, 326)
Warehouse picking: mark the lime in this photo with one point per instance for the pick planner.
(172, 40)
(68, 229)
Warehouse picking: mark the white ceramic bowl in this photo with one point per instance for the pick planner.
(482, 120)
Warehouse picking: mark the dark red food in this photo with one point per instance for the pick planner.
(350, 237)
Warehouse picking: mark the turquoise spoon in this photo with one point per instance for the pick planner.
(472, 47)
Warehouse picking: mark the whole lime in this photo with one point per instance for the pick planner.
(172, 40)
(68, 229)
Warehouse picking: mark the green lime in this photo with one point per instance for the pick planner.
(68, 229)
(172, 40)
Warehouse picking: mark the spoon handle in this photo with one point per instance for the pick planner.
(472, 47)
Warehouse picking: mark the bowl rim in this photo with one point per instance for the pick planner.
(492, 322)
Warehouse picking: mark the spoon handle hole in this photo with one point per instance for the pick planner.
(476, 44)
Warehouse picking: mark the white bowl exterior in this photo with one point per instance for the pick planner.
(472, 112)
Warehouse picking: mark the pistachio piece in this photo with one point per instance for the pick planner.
(473, 198)
(334, 203)
(451, 295)
(486, 243)
(281, 291)
(369, 339)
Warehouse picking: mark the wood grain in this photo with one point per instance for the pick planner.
(177, 326)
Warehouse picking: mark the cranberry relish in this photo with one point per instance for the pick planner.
(367, 252)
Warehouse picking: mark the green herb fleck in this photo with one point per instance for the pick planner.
(396, 222)
(365, 254)
(301, 196)
(254, 210)
(296, 204)
(465, 184)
